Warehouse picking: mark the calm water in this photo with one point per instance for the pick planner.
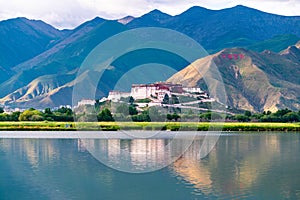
(239, 167)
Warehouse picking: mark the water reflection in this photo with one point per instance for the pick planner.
(245, 166)
(137, 155)
(33, 150)
(239, 165)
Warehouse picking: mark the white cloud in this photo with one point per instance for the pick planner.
(282, 7)
(70, 13)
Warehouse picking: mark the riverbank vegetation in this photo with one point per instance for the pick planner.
(129, 113)
(149, 126)
(127, 117)
(60, 115)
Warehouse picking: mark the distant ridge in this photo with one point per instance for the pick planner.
(22, 39)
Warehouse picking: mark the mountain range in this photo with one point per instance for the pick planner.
(39, 63)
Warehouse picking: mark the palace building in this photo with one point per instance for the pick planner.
(154, 91)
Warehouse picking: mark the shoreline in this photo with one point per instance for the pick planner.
(150, 126)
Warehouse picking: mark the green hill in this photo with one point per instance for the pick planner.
(275, 44)
(22, 39)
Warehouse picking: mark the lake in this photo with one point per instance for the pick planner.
(245, 166)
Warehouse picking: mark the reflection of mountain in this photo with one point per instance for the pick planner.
(256, 165)
(195, 173)
(237, 164)
(34, 150)
(47, 169)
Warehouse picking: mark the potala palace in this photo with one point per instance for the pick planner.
(157, 91)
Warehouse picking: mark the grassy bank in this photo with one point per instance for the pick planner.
(172, 126)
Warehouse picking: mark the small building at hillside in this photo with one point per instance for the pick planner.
(193, 90)
(85, 102)
(117, 95)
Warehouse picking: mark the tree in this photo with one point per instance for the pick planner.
(36, 118)
(105, 116)
(64, 110)
(31, 115)
(131, 100)
(1, 110)
(166, 99)
(4, 117)
(248, 113)
(48, 114)
(291, 117)
(242, 118)
(132, 110)
(48, 111)
(281, 113)
(212, 116)
(15, 116)
(205, 116)
(267, 113)
(144, 117)
(175, 116)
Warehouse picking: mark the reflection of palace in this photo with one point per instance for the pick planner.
(137, 152)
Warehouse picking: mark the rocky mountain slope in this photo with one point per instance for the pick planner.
(253, 81)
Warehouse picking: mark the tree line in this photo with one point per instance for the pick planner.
(283, 115)
(125, 112)
(60, 115)
(129, 113)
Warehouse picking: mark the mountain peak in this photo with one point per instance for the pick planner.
(157, 13)
(197, 8)
(195, 11)
(241, 7)
(22, 19)
(126, 20)
(14, 20)
(245, 10)
(91, 23)
(153, 18)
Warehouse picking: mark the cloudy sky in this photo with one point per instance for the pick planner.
(70, 13)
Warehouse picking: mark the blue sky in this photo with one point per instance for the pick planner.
(71, 13)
